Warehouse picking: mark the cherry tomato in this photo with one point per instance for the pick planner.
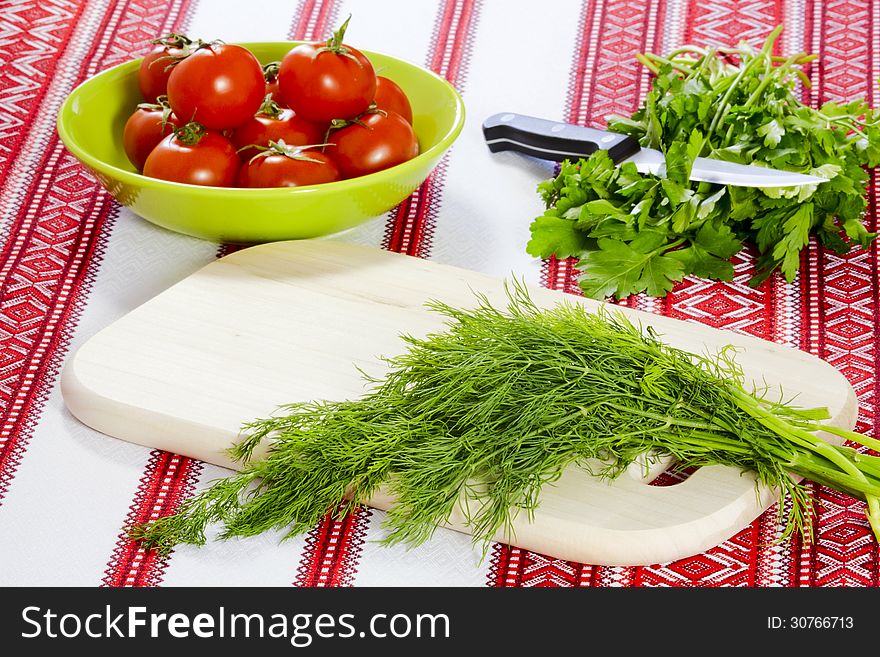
(194, 156)
(145, 128)
(219, 85)
(380, 140)
(270, 75)
(273, 123)
(389, 96)
(284, 166)
(157, 65)
(326, 81)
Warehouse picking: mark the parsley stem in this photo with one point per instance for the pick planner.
(651, 62)
(724, 104)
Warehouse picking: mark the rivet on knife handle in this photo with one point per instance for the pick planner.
(550, 140)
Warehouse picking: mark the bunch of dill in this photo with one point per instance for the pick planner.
(483, 414)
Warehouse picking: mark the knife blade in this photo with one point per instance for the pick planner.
(552, 140)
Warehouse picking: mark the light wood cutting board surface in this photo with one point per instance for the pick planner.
(292, 321)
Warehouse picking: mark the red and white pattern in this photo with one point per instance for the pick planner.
(841, 292)
(168, 480)
(53, 238)
(411, 226)
(71, 261)
(332, 550)
(756, 556)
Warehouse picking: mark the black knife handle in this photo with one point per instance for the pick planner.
(550, 140)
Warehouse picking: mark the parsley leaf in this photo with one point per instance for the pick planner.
(555, 236)
(619, 269)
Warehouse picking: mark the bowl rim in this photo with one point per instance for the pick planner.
(132, 177)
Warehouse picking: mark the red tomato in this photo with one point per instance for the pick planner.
(288, 167)
(326, 81)
(157, 65)
(273, 123)
(145, 128)
(389, 96)
(384, 139)
(194, 156)
(220, 86)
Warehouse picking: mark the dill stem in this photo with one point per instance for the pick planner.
(822, 471)
(867, 441)
(804, 438)
(666, 419)
(873, 514)
(865, 462)
(859, 479)
(710, 441)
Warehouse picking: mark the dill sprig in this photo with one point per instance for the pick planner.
(480, 416)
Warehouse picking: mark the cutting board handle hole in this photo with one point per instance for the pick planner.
(656, 470)
(673, 476)
(650, 465)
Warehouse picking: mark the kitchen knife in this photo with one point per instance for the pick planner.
(550, 140)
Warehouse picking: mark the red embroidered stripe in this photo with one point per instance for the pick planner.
(129, 565)
(314, 20)
(332, 550)
(410, 226)
(54, 237)
(605, 78)
(842, 299)
(734, 306)
(333, 546)
(32, 355)
(28, 61)
(513, 567)
(835, 315)
(168, 479)
(732, 20)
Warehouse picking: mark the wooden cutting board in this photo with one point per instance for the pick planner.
(290, 321)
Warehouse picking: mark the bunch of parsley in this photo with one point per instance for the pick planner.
(637, 232)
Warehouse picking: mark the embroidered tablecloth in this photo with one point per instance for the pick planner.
(72, 261)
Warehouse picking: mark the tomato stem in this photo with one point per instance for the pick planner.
(270, 71)
(160, 104)
(280, 147)
(191, 133)
(208, 45)
(270, 108)
(334, 43)
(338, 124)
(179, 42)
(173, 40)
(373, 109)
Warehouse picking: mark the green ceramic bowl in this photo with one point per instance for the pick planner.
(91, 120)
